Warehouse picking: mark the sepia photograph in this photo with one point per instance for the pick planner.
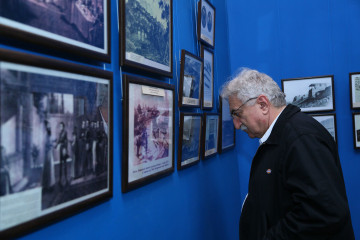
(191, 76)
(356, 129)
(146, 35)
(55, 140)
(210, 135)
(311, 94)
(206, 23)
(189, 140)
(80, 26)
(226, 129)
(355, 90)
(328, 121)
(208, 83)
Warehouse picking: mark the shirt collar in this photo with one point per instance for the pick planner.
(268, 132)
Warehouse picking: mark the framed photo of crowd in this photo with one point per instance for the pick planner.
(356, 129)
(355, 90)
(207, 92)
(75, 26)
(206, 23)
(226, 129)
(210, 135)
(56, 140)
(328, 121)
(148, 138)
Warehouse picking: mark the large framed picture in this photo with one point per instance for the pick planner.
(189, 140)
(311, 94)
(75, 26)
(148, 138)
(328, 121)
(191, 75)
(355, 90)
(210, 135)
(207, 96)
(356, 129)
(146, 35)
(206, 23)
(226, 128)
(56, 140)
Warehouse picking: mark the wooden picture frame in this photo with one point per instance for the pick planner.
(356, 130)
(311, 94)
(191, 76)
(65, 25)
(227, 131)
(207, 90)
(210, 136)
(148, 137)
(354, 90)
(56, 138)
(328, 121)
(206, 23)
(146, 36)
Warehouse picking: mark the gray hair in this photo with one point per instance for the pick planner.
(250, 83)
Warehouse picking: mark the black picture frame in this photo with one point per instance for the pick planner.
(208, 78)
(354, 90)
(62, 25)
(311, 94)
(210, 135)
(206, 23)
(60, 116)
(191, 77)
(142, 47)
(227, 131)
(356, 130)
(189, 147)
(328, 121)
(149, 131)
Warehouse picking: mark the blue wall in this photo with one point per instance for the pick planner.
(290, 39)
(201, 202)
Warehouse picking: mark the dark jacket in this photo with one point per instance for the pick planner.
(296, 185)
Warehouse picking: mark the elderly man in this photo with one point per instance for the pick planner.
(296, 187)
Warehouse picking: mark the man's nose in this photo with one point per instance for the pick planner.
(237, 123)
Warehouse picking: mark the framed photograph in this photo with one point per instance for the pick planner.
(355, 90)
(76, 26)
(191, 75)
(311, 94)
(210, 135)
(227, 129)
(207, 98)
(146, 35)
(189, 139)
(328, 121)
(55, 139)
(148, 138)
(206, 23)
(356, 127)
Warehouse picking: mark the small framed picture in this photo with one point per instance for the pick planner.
(227, 129)
(55, 140)
(148, 138)
(146, 35)
(311, 94)
(355, 90)
(75, 26)
(206, 23)
(356, 127)
(189, 139)
(210, 135)
(191, 76)
(328, 121)
(207, 98)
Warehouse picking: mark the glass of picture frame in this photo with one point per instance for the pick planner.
(226, 129)
(311, 94)
(356, 130)
(328, 121)
(148, 138)
(207, 93)
(206, 23)
(355, 90)
(70, 26)
(191, 75)
(146, 35)
(55, 138)
(189, 139)
(210, 135)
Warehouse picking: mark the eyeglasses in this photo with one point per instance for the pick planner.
(234, 113)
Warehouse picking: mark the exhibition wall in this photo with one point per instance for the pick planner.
(295, 39)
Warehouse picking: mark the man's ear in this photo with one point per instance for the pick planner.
(264, 104)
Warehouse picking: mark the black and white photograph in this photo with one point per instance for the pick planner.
(146, 35)
(208, 82)
(328, 121)
(227, 129)
(206, 23)
(55, 139)
(210, 135)
(76, 26)
(356, 129)
(191, 75)
(311, 94)
(149, 125)
(189, 140)
(355, 90)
